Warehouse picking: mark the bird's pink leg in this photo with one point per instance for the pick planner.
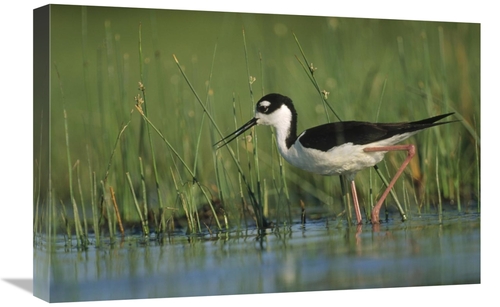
(411, 152)
(356, 203)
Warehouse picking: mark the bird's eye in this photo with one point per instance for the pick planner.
(262, 108)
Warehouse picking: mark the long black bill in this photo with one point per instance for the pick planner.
(235, 134)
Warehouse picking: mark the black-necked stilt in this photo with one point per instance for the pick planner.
(340, 148)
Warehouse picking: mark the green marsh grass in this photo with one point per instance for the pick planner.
(117, 212)
(144, 222)
(363, 69)
(256, 205)
(82, 204)
(177, 156)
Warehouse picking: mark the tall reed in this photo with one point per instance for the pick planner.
(261, 222)
(177, 156)
(145, 110)
(144, 221)
(109, 213)
(116, 211)
(81, 241)
(82, 203)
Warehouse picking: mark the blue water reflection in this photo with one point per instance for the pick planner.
(320, 256)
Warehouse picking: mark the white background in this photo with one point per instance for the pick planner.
(16, 200)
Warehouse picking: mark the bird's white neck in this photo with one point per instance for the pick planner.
(284, 122)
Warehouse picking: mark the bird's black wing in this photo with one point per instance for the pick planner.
(326, 136)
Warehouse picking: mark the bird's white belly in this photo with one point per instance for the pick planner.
(347, 158)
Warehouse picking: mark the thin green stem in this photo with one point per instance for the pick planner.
(178, 156)
(84, 215)
(109, 213)
(255, 136)
(144, 190)
(144, 222)
(310, 72)
(255, 203)
(440, 203)
(143, 92)
(478, 172)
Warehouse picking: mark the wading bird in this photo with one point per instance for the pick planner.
(340, 148)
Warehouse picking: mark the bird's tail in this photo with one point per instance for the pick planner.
(431, 121)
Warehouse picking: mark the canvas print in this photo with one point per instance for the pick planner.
(189, 153)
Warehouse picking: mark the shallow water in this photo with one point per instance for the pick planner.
(321, 256)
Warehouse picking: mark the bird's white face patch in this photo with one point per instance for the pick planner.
(263, 105)
(261, 110)
(279, 118)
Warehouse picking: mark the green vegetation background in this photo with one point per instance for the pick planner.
(373, 70)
